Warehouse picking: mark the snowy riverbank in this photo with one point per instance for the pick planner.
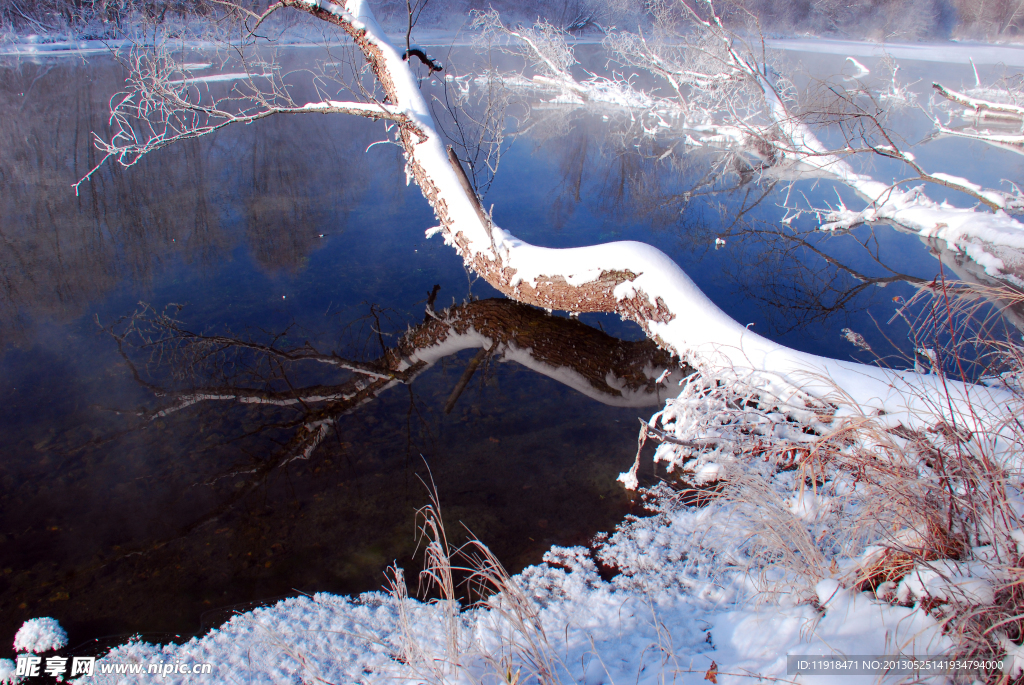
(682, 603)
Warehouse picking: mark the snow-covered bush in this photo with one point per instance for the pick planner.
(7, 670)
(40, 635)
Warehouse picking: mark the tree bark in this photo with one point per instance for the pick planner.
(552, 290)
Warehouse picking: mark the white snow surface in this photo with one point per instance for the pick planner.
(675, 607)
(962, 583)
(7, 669)
(40, 635)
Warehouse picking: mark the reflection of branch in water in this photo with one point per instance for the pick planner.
(185, 368)
(190, 368)
(636, 176)
(969, 271)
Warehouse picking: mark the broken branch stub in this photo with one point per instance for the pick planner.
(468, 188)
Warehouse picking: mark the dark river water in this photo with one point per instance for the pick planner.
(124, 508)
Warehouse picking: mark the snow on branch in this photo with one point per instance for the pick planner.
(548, 45)
(862, 121)
(1013, 143)
(165, 102)
(726, 95)
(1007, 116)
(980, 107)
(698, 67)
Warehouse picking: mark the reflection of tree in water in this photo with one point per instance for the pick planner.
(295, 394)
(185, 503)
(802, 276)
(309, 390)
(572, 153)
(300, 386)
(799, 280)
(284, 189)
(631, 175)
(58, 252)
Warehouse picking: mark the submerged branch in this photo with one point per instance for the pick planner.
(611, 371)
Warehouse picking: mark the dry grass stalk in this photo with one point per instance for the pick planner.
(512, 649)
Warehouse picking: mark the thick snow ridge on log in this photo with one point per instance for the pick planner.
(979, 105)
(692, 326)
(1007, 142)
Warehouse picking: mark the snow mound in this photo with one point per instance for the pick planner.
(960, 583)
(40, 635)
(7, 671)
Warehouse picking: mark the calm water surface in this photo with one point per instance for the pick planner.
(292, 234)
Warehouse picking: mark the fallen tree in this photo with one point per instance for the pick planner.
(163, 105)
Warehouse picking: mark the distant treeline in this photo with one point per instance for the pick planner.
(874, 19)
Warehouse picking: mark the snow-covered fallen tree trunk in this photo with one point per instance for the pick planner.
(981, 107)
(641, 283)
(633, 279)
(1006, 116)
